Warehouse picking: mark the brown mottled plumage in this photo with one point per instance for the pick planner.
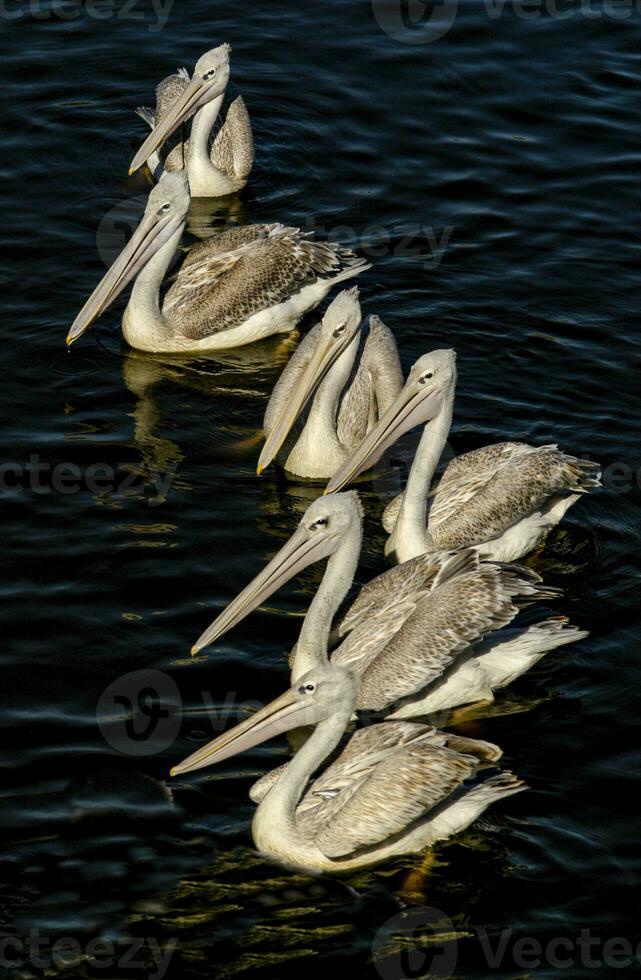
(485, 492)
(232, 150)
(414, 623)
(235, 288)
(411, 636)
(243, 271)
(376, 379)
(350, 806)
(427, 625)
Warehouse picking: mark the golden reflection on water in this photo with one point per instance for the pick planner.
(243, 915)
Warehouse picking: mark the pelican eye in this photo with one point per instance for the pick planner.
(310, 687)
(210, 73)
(425, 377)
(321, 522)
(339, 329)
(165, 207)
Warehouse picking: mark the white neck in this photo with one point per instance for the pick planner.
(276, 814)
(144, 325)
(411, 537)
(201, 127)
(311, 649)
(206, 180)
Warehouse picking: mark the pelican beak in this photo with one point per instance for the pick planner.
(415, 405)
(325, 355)
(150, 235)
(290, 710)
(197, 94)
(303, 548)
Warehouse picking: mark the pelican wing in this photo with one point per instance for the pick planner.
(406, 581)
(274, 264)
(466, 602)
(377, 379)
(170, 89)
(391, 512)
(483, 494)
(388, 777)
(463, 478)
(232, 151)
(363, 750)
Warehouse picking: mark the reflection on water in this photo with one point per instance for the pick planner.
(210, 214)
(228, 376)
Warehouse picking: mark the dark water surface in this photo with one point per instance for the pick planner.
(509, 150)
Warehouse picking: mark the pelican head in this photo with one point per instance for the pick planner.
(429, 382)
(210, 78)
(322, 693)
(339, 326)
(323, 527)
(165, 214)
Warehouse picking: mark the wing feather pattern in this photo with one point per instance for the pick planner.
(467, 600)
(265, 265)
(355, 807)
(484, 493)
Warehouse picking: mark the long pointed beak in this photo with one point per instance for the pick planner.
(303, 549)
(150, 235)
(197, 93)
(323, 358)
(412, 407)
(288, 711)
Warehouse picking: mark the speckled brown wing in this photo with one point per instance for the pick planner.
(229, 240)
(386, 787)
(217, 291)
(463, 477)
(401, 582)
(512, 481)
(358, 756)
(466, 474)
(463, 605)
(232, 150)
(377, 379)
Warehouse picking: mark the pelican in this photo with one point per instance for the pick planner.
(351, 375)
(396, 788)
(241, 285)
(424, 636)
(501, 499)
(215, 166)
